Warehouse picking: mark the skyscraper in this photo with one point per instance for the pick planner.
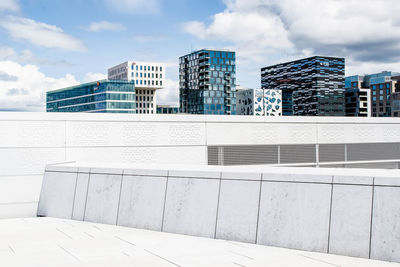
(207, 82)
(310, 87)
(148, 78)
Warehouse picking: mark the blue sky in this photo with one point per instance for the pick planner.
(50, 44)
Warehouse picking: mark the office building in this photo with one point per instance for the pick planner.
(357, 98)
(310, 87)
(381, 86)
(148, 78)
(395, 104)
(167, 109)
(259, 102)
(207, 82)
(106, 96)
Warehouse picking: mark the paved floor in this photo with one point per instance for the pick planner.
(57, 242)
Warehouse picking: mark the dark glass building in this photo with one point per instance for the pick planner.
(106, 96)
(207, 82)
(310, 87)
(167, 109)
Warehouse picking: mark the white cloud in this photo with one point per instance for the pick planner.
(135, 6)
(148, 37)
(23, 87)
(90, 77)
(169, 95)
(9, 5)
(271, 31)
(104, 26)
(40, 34)
(26, 56)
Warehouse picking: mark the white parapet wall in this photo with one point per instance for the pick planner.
(29, 141)
(353, 212)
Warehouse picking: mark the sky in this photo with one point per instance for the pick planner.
(50, 44)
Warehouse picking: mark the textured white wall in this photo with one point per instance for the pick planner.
(311, 209)
(29, 141)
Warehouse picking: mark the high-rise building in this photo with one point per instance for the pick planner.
(310, 87)
(259, 102)
(106, 96)
(357, 98)
(207, 82)
(381, 86)
(148, 78)
(167, 109)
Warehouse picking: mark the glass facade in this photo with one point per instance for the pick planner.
(106, 96)
(207, 82)
(310, 87)
(163, 109)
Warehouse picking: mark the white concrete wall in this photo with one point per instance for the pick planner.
(29, 141)
(340, 211)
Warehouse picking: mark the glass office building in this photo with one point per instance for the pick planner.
(106, 96)
(207, 82)
(310, 87)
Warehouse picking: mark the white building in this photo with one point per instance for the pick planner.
(148, 78)
(260, 102)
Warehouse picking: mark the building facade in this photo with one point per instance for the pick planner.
(207, 82)
(259, 102)
(381, 87)
(357, 98)
(167, 109)
(148, 78)
(106, 96)
(310, 87)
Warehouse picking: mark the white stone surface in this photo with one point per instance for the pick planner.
(142, 202)
(103, 198)
(29, 141)
(57, 195)
(48, 242)
(81, 190)
(191, 206)
(385, 239)
(294, 215)
(351, 212)
(238, 210)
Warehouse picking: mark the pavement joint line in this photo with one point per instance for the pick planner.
(238, 264)
(64, 233)
(89, 235)
(69, 253)
(126, 241)
(10, 247)
(161, 257)
(311, 258)
(239, 254)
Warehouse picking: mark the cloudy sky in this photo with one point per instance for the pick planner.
(48, 44)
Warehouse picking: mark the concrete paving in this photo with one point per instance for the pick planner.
(58, 242)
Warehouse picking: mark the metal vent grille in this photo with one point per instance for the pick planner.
(332, 153)
(242, 155)
(297, 154)
(212, 152)
(373, 151)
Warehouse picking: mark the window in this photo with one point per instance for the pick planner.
(160, 82)
(156, 75)
(140, 68)
(132, 67)
(144, 82)
(156, 82)
(160, 68)
(156, 68)
(380, 86)
(152, 68)
(137, 67)
(388, 85)
(160, 76)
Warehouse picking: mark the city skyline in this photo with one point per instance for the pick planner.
(43, 48)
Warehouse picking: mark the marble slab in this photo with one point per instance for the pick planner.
(142, 202)
(385, 235)
(191, 206)
(80, 196)
(57, 195)
(294, 215)
(351, 220)
(103, 198)
(238, 210)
